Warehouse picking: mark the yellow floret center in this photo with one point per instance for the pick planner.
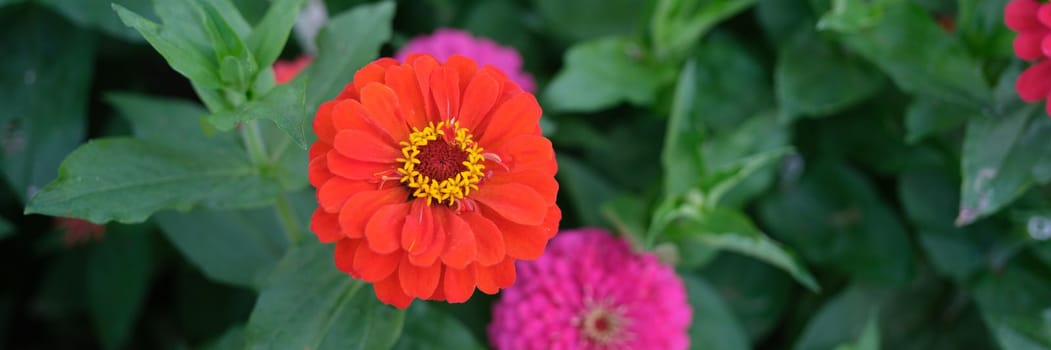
(441, 163)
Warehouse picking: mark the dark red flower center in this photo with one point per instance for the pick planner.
(440, 160)
(602, 325)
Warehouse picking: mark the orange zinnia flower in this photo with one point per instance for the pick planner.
(433, 179)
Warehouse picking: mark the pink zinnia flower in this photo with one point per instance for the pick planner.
(446, 42)
(1032, 21)
(285, 71)
(591, 291)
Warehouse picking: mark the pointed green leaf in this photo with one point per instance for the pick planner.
(731, 230)
(46, 81)
(1015, 306)
(127, 180)
(119, 270)
(269, 36)
(205, 238)
(183, 55)
(678, 24)
(681, 157)
(284, 105)
(601, 73)
(714, 325)
(309, 304)
(345, 44)
(815, 78)
(427, 327)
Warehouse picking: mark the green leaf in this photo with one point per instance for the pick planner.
(732, 231)
(38, 125)
(678, 24)
(269, 36)
(168, 121)
(284, 105)
(835, 218)
(127, 180)
(208, 240)
(726, 71)
(906, 43)
(980, 25)
(576, 20)
(345, 44)
(309, 304)
(759, 294)
(586, 189)
(119, 270)
(1015, 306)
(815, 78)
(843, 318)
(601, 73)
(714, 325)
(429, 328)
(1000, 155)
(681, 157)
(719, 181)
(781, 20)
(6, 229)
(96, 14)
(869, 339)
(627, 215)
(749, 155)
(928, 116)
(179, 48)
(232, 339)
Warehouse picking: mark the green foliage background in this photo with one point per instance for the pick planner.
(825, 174)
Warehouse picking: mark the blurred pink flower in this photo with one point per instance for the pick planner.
(446, 42)
(1032, 21)
(591, 291)
(285, 71)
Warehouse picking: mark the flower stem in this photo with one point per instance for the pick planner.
(253, 139)
(288, 219)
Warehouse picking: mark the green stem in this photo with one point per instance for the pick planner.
(253, 139)
(288, 220)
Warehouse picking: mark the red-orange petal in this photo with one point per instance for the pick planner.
(465, 69)
(491, 278)
(344, 255)
(337, 190)
(359, 208)
(458, 284)
(350, 114)
(318, 149)
(521, 241)
(383, 106)
(383, 230)
(516, 202)
(339, 164)
(365, 146)
(317, 171)
(478, 99)
(325, 226)
(429, 254)
(372, 72)
(419, 281)
(488, 238)
(372, 266)
(445, 89)
(529, 152)
(419, 228)
(461, 249)
(403, 81)
(389, 291)
(519, 115)
(323, 126)
(544, 184)
(425, 65)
